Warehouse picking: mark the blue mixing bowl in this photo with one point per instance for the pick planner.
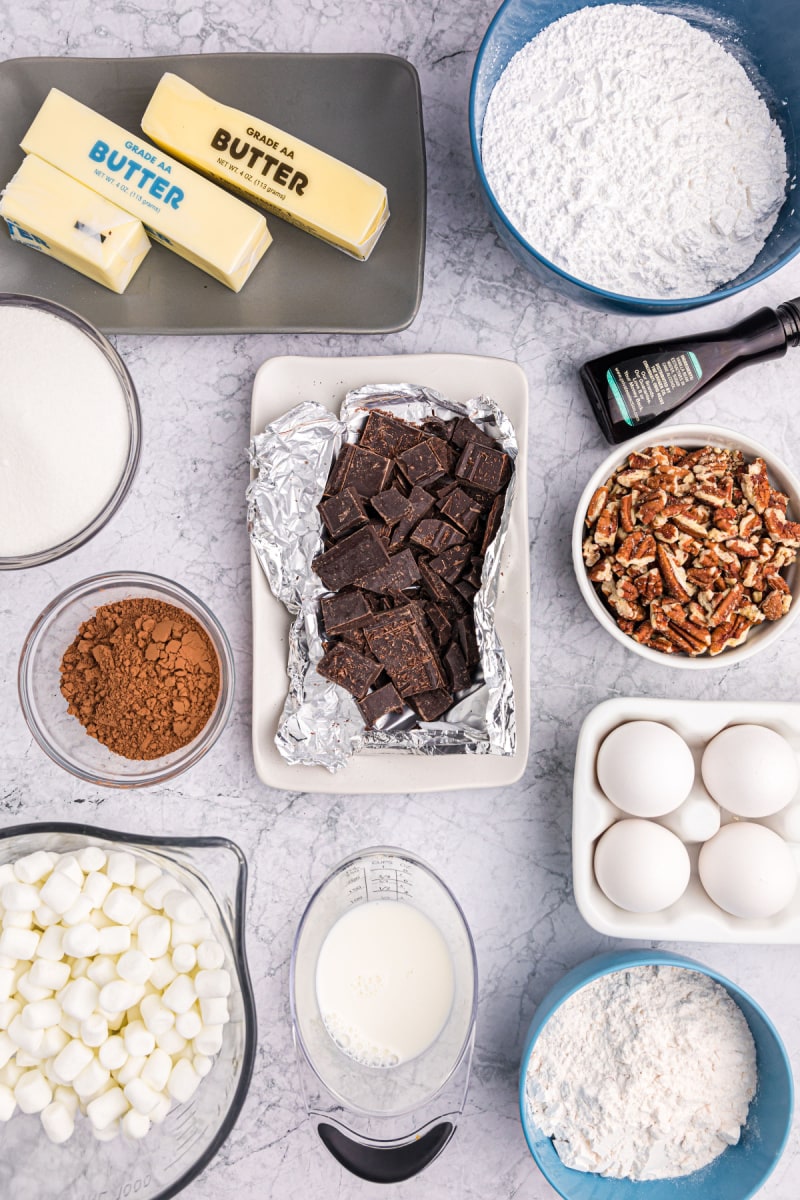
(769, 45)
(741, 1169)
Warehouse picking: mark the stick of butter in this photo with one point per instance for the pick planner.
(180, 209)
(52, 213)
(278, 172)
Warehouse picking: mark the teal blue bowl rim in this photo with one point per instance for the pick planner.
(622, 960)
(643, 303)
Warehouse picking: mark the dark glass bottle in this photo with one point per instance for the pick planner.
(635, 389)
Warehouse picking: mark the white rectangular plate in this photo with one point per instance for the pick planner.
(280, 384)
(695, 917)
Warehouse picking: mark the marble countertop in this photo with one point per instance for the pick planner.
(505, 854)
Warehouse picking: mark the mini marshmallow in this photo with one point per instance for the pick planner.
(94, 1030)
(114, 939)
(156, 1071)
(156, 1017)
(210, 984)
(180, 995)
(29, 990)
(209, 1041)
(49, 975)
(81, 941)
(96, 888)
(58, 1122)
(121, 868)
(109, 1134)
(139, 1041)
(155, 892)
(80, 967)
(135, 967)
(202, 1064)
(153, 936)
(91, 1081)
(28, 1060)
(184, 958)
(51, 944)
(130, 1069)
(195, 933)
(99, 919)
(183, 1081)
(163, 973)
(67, 1097)
(91, 859)
(54, 1040)
(161, 1110)
(121, 906)
(8, 1010)
(17, 919)
(179, 906)
(60, 892)
(79, 912)
(188, 1024)
(70, 1025)
(141, 1096)
(72, 1060)
(44, 917)
(8, 1105)
(41, 1014)
(19, 943)
(8, 1047)
(102, 970)
(171, 1041)
(135, 1125)
(107, 1108)
(80, 998)
(119, 995)
(112, 1054)
(146, 874)
(8, 982)
(25, 1039)
(32, 868)
(33, 1093)
(67, 864)
(20, 897)
(214, 1011)
(210, 955)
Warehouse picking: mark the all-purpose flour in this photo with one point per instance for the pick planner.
(632, 150)
(643, 1074)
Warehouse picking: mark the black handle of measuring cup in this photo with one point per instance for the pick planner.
(389, 1164)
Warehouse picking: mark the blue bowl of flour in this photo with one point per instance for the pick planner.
(740, 1170)
(763, 35)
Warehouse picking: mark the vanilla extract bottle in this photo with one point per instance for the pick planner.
(632, 390)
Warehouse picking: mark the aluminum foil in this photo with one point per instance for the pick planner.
(321, 724)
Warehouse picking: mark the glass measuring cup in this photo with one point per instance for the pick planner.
(174, 1153)
(383, 1124)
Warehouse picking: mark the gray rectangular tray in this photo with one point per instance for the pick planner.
(363, 108)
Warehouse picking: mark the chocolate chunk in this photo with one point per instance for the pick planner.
(400, 640)
(379, 703)
(436, 536)
(355, 637)
(466, 589)
(352, 557)
(473, 575)
(434, 584)
(461, 509)
(359, 468)
(353, 671)
(427, 461)
(438, 621)
(451, 563)
(421, 503)
(388, 435)
(342, 512)
(399, 573)
(430, 705)
(457, 669)
(492, 523)
(442, 488)
(484, 468)
(437, 428)
(465, 431)
(391, 505)
(343, 611)
(465, 632)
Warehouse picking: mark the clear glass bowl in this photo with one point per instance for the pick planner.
(173, 1154)
(62, 736)
(15, 562)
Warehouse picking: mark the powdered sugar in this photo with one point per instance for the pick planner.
(632, 150)
(643, 1074)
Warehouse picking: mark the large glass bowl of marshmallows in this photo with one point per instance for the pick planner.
(613, 180)
(127, 1022)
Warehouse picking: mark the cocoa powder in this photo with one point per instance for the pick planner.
(142, 677)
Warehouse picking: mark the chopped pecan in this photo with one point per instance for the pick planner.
(725, 605)
(775, 605)
(605, 530)
(626, 512)
(672, 575)
(596, 505)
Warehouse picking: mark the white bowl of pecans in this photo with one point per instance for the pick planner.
(685, 546)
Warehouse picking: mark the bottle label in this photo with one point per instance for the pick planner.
(640, 388)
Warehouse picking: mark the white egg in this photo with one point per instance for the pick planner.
(645, 768)
(641, 866)
(750, 770)
(748, 870)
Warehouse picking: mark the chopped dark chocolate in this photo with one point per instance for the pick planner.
(473, 575)
(484, 468)
(442, 488)
(391, 505)
(388, 435)
(344, 610)
(430, 705)
(401, 572)
(492, 523)
(434, 584)
(352, 557)
(355, 637)
(437, 428)
(425, 462)
(353, 671)
(466, 589)
(342, 512)
(451, 563)
(461, 509)
(456, 666)
(359, 468)
(399, 639)
(465, 632)
(435, 535)
(465, 431)
(380, 703)
(439, 622)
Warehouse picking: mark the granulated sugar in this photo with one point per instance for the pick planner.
(64, 431)
(631, 150)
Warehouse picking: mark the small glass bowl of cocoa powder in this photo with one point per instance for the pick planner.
(126, 679)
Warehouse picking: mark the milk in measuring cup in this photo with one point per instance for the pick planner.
(384, 983)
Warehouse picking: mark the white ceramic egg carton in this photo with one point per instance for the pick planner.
(695, 917)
